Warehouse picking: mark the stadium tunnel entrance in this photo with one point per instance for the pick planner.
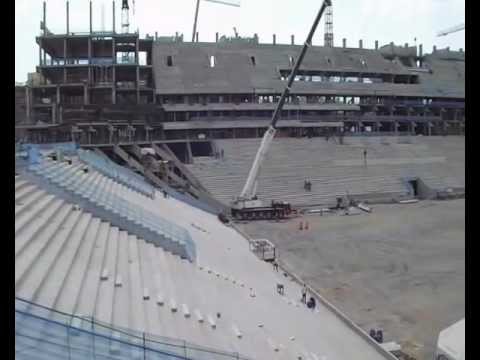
(418, 189)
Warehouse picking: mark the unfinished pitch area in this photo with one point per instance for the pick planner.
(400, 269)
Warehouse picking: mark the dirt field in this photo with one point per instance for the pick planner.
(401, 268)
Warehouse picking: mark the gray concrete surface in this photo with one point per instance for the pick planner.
(401, 268)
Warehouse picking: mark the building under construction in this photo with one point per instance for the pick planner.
(109, 87)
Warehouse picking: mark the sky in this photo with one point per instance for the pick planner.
(369, 20)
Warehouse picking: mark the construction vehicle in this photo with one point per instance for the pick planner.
(276, 210)
(247, 205)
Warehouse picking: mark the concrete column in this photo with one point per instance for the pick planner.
(360, 44)
(54, 113)
(344, 42)
(68, 20)
(138, 85)
(114, 51)
(113, 16)
(274, 39)
(114, 72)
(90, 16)
(60, 114)
(292, 39)
(58, 94)
(136, 50)
(85, 94)
(40, 52)
(65, 51)
(376, 44)
(44, 18)
(27, 102)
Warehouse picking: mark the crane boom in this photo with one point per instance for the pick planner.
(452, 30)
(249, 189)
(235, 3)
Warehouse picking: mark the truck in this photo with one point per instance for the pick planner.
(276, 210)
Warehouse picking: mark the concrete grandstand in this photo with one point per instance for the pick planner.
(436, 164)
(78, 263)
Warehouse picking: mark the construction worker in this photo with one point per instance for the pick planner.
(304, 294)
(365, 156)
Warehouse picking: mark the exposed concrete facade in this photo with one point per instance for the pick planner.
(92, 87)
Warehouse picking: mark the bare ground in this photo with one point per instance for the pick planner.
(401, 268)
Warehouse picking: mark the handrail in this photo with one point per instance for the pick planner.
(131, 334)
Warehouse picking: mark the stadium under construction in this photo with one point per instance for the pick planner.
(131, 239)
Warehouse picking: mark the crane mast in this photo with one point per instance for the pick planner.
(247, 197)
(125, 21)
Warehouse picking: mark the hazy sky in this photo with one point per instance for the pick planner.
(399, 21)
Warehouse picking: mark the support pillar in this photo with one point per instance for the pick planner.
(90, 80)
(40, 52)
(27, 103)
(137, 45)
(58, 94)
(65, 61)
(114, 72)
(44, 18)
(113, 16)
(68, 20)
(138, 84)
(54, 113)
(60, 114)
(91, 16)
(85, 94)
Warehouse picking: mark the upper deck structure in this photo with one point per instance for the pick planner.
(99, 87)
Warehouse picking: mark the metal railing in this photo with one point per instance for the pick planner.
(133, 217)
(116, 172)
(42, 332)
